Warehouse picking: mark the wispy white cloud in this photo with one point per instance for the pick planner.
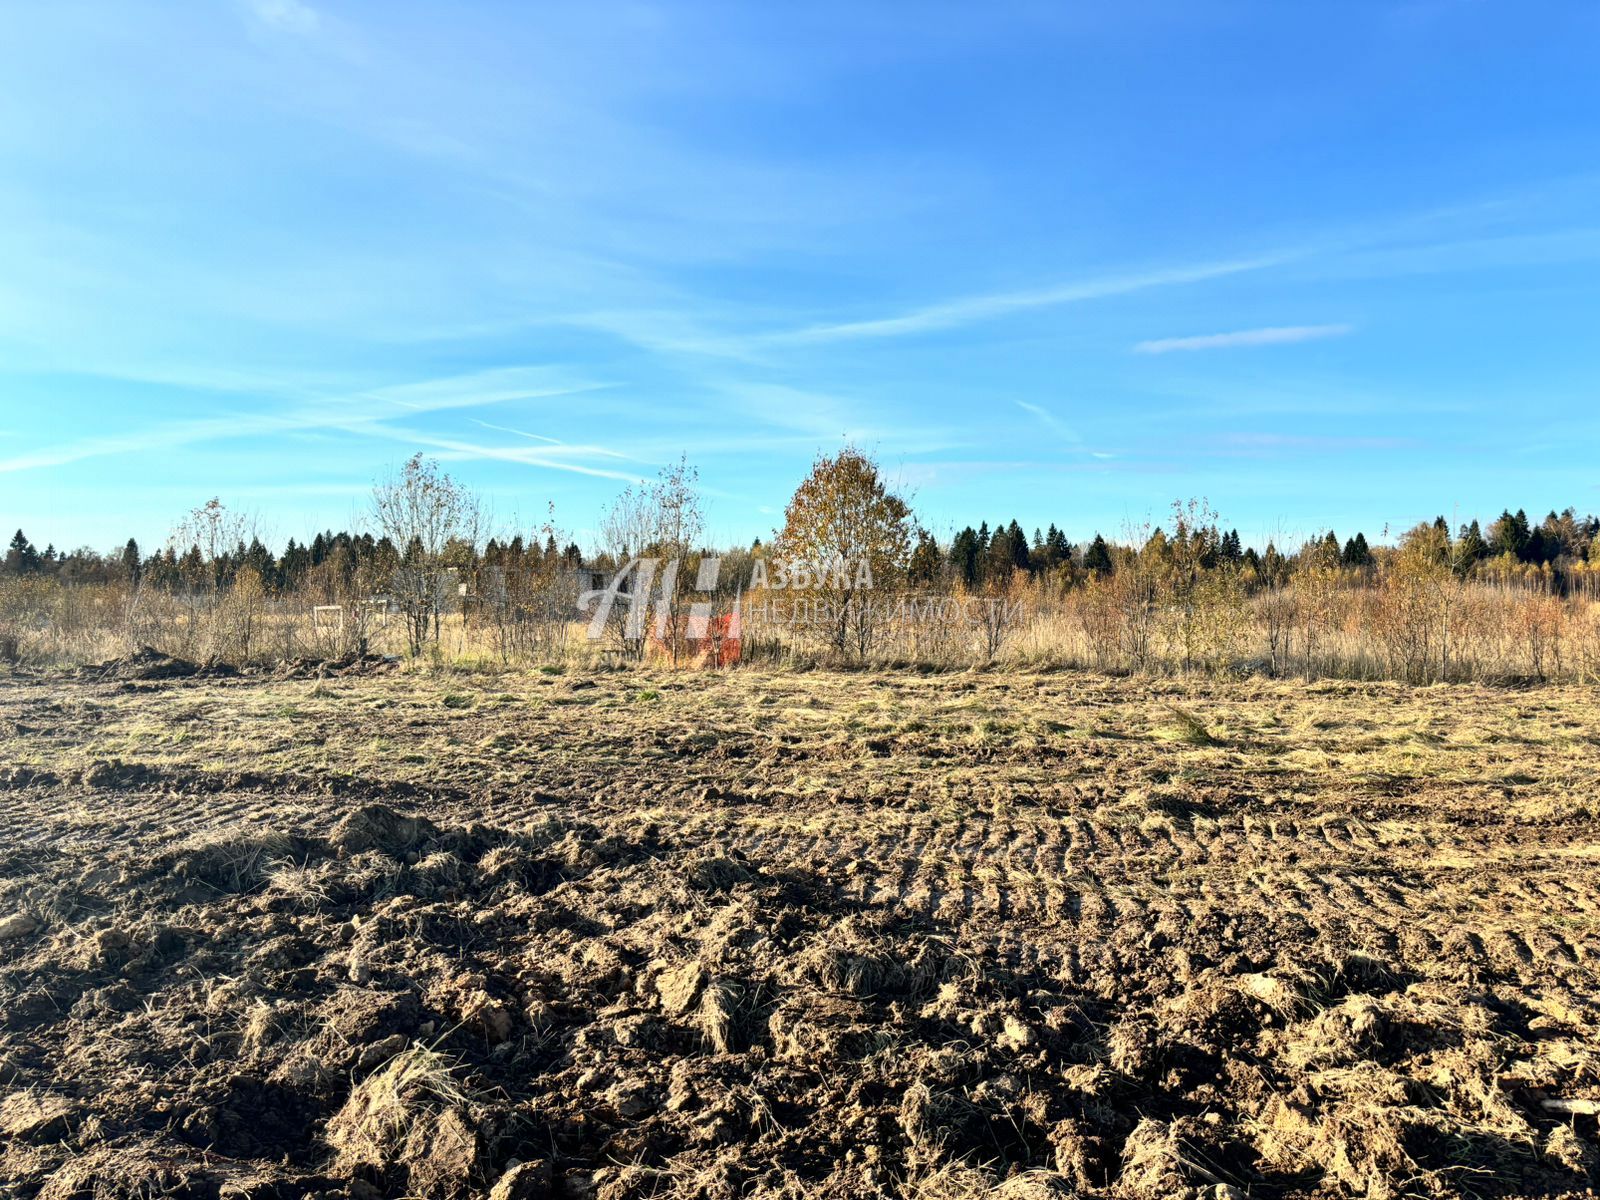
(555, 445)
(1274, 336)
(971, 309)
(360, 412)
(673, 333)
(497, 386)
(762, 415)
(1569, 246)
(1052, 422)
(527, 456)
(144, 440)
(291, 16)
(1062, 429)
(534, 437)
(811, 411)
(1275, 445)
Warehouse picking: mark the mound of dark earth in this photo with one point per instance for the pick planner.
(147, 663)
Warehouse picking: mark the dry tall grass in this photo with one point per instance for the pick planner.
(1416, 626)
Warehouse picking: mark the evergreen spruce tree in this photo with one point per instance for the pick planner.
(1020, 557)
(1231, 550)
(293, 565)
(131, 565)
(1510, 534)
(964, 556)
(1050, 555)
(1157, 547)
(926, 560)
(192, 567)
(21, 557)
(1547, 541)
(259, 559)
(1274, 567)
(1471, 549)
(161, 568)
(1098, 556)
(997, 561)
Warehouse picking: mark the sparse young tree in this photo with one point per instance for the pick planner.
(211, 532)
(1413, 611)
(854, 536)
(428, 512)
(525, 599)
(1316, 585)
(659, 523)
(1202, 596)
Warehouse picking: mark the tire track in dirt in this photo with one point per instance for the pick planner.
(1080, 878)
(1077, 873)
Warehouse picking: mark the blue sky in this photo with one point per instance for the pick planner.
(1313, 261)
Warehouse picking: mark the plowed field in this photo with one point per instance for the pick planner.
(381, 933)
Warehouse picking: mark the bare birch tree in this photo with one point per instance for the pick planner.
(428, 517)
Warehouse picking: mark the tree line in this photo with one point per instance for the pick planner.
(1189, 594)
(976, 558)
(341, 554)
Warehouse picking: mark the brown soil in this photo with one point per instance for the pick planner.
(795, 936)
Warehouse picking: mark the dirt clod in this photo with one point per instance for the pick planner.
(36, 1116)
(523, 1181)
(18, 925)
(379, 827)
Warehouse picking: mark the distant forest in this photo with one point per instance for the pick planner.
(974, 557)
